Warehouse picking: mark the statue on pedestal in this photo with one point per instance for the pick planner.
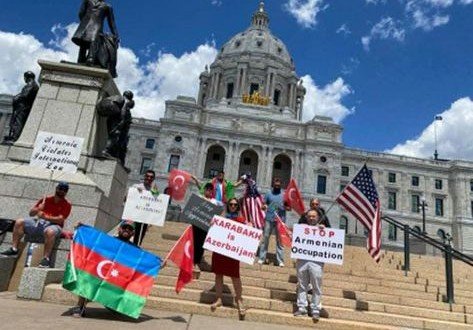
(117, 110)
(96, 47)
(22, 104)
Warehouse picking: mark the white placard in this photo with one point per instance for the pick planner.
(317, 244)
(145, 208)
(56, 152)
(233, 239)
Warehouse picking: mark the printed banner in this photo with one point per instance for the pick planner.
(233, 239)
(146, 208)
(56, 152)
(199, 212)
(317, 244)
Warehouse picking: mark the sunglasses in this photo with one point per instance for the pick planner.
(233, 204)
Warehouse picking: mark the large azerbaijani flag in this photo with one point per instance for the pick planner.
(113, 273)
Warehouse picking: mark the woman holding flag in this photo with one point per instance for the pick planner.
(225, 266)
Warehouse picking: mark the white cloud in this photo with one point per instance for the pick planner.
(343, 29)
(217, 3)
(163, 77)
(326, 101)
(386, 28)
(428, 14)
(305, 11)
(375, 2)
(454, 137)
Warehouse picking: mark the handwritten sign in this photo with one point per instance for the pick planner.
(199, 212)
(145, 208)
(317, 244)
(233, 239)
(56, 152)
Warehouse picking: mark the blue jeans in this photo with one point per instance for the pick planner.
(269, 227)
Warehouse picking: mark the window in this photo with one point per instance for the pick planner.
(438, 183)
(415, 203)
(471, 185)
(471, 205)
(277, 165)
(174, 162)
(321, 184)
(216, 156)
(146, 164)
(439, 207)
(229, 90)
(392, 200)
(277, 96)
(247, 161)
(342, 186)
(345, 171)
(365, 232)
(178, 139)
(343, 223)
(415, 181)
(254, 88)
(391, 177)
(392, 232)
(150, 143)
(416, 229)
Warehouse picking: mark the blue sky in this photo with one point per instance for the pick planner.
(383, 68)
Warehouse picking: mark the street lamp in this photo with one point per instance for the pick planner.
(423, 205)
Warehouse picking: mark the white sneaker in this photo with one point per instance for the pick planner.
(260, 261)
(281, 264)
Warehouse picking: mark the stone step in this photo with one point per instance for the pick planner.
(334, 298)
(54, 293)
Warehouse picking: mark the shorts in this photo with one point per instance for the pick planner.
(35, 229)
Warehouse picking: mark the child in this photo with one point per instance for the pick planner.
(310, 272)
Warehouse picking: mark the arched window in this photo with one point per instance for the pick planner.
(277, 96)
(249, 163)
(215, 161)
(282, 168)
(150, 143)
(417, 229)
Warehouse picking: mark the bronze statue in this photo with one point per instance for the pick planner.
(117, 111)
(97, 47)
(22, 104)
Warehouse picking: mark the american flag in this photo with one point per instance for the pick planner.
(252, 203)
(360, 198)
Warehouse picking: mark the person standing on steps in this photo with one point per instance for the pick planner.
(310, 272)
(225, 266)
(315, 205)
(148, 184)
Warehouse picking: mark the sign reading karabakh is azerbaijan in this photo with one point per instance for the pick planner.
(111, 272)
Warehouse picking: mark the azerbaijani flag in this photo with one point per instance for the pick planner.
(113, 273)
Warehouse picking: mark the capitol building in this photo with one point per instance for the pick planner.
(247, 117)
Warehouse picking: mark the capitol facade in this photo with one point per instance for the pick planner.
(247, 117)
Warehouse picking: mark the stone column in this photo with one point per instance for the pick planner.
(291, 93)
(243, 81)
(269, 167)
(201, 162)
(267, 87)
(238, 92)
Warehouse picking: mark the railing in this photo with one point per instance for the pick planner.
(446, 248)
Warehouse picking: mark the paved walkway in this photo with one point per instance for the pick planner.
(23, 314)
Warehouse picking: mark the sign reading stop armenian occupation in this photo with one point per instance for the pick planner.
(146, 208)
(317, 244)
(233, 239)
(56, 152)
(199, 212)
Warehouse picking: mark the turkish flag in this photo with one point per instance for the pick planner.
(293, 198)
(285, 234)
(178, 182)
(182, 254)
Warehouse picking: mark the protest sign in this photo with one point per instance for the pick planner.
(317, 244)
(233, 239)
(145, 208)
(56, 152)
(199, 212)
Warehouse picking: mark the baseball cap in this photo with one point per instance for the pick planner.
(63, 185)
(125, 223)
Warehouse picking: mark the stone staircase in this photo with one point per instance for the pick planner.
(358, 295)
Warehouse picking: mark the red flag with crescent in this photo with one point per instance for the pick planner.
(293, 197)
(178, 182)
(182, 255)
(285, 234)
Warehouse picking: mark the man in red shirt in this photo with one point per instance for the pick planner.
(46, 220)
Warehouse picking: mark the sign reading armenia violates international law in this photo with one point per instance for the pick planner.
(142, 206)
(56, 152)
(318, 244)
(199, 212)
(233, 239)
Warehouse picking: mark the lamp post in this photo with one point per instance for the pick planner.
(423, 206)
(436, 118)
